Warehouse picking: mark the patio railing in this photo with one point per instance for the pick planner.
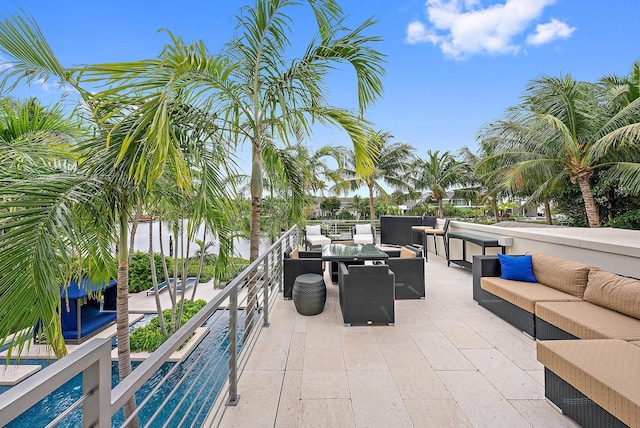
(195, 392)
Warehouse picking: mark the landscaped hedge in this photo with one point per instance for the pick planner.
(149, 338)
(140, 270)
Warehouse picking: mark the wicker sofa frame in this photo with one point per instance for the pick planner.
(584, 405)
(513, 314)
(576, 405)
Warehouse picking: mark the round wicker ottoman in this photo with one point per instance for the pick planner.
(309, 294)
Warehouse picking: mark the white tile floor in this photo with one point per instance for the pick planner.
(447, 362)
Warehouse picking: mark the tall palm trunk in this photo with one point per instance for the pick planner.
(200, 262)
(494, 207)
(134, 229)
(547, 211)
(589, 203)
(183, 276)
(440, 208)
(173, 287)
(122, 313)
(165, 269)
(154, 278)
(254, 242)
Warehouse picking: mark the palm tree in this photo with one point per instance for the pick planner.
(147, 131)
(438, 172)
(35, 144)
(483, 182)
(390, 164)
(267, 96)
(567, 128)
(315, 162)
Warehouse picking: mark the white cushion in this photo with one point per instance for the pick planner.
(363, 238)
(363, 229)
(314, 240)
(313, 230)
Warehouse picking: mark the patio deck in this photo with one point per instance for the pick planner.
(446, 362)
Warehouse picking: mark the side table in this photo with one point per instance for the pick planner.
(309, 294)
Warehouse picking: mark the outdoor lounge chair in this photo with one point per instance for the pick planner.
(161, 287)
(190, 281)
(313, 237)
(362, 234)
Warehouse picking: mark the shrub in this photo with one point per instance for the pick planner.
(149, 337)
(140, 271)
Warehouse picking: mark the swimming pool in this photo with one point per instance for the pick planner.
(205, 369)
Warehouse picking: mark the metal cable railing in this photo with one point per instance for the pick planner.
(198, 387)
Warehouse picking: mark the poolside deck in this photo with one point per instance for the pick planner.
(447, 362)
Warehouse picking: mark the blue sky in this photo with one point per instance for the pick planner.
(452, 66)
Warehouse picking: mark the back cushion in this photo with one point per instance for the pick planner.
(614, 292)
(294, 254)
(313, 230)
(564, 275)
(363, 229)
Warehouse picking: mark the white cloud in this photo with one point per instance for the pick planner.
(4, 64)
(417, 33)
(550, 31)
(461, 28)
(44, 85)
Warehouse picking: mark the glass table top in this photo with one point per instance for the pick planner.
(352, 252)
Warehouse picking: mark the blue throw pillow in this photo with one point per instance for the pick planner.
(516, 268)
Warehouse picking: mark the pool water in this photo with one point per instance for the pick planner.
(210, 356)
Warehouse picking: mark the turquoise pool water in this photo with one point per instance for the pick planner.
(209, 356)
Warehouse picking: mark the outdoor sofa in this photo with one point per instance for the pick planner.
(593, 380)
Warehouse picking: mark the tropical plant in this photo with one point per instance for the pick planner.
(39, 188)
(331, 204)
(568, 128)
(141, 133)
(483, 183)
(438, 173)
(266, 96)
(316, 163)
(390, 163)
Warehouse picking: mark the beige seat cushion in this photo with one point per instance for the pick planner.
(614, 292)
(564, 275)
(588, 321)
(604, 370)
(635, 342)
(524, 294)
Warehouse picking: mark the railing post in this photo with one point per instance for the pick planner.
(281, 270)
(233, 348)
(96, 385)
(265, 287)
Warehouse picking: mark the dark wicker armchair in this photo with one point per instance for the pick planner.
(408, 268)
(297, 263)
(366, 294)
